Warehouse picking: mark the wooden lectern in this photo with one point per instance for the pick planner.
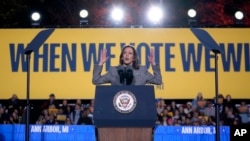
(124, 113)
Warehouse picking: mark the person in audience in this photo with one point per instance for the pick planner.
(244, 112)
(196, 118)
(188, 122)
(41, 120)
(173, 106)
(196, 122)
(84, 119)
(43, 117)
(220, 104)
(229, 116)
(176, 114)
(51, 120)
(159, 106)
(229, 103)
(203, 121)
(170, 121)
(163, 116)
(76, 114)
(209, 110)
(15, 116)
(52, 102)
(91, 113)
(188, 108)
(211, 121)
(164, 121)
(64, 107)
(60, 116)
(3, 115)
(183, 119)
(196, 100)
(79, 102)
(68, 121)
(236, 122)
(176, 122)
(170, 111)
(13, 103)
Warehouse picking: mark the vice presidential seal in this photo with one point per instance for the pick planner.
(124, 101)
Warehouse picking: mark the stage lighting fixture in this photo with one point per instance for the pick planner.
(117, 14)
(35, 16)
(83, 13)
(191, 16)
(155, 14)
(35, 19)
(191, 13)
(239, 15)
(83, 17)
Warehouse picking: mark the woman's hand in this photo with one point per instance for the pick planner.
(103, 57)
(151, 57)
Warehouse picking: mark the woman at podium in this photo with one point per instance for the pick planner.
(128, 72)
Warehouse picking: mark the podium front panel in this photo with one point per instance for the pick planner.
(107, 115)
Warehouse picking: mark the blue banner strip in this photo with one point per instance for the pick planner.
(48, 133)
(87, 133)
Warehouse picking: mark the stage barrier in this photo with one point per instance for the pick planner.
(190, 133)
(48, 132)
(87, 133)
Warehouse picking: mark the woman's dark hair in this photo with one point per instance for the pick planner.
(135, 64)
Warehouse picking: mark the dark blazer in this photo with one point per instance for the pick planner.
(141, 76)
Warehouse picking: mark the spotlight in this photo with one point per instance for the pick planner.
(35, 16)
(83, 17)
(35, 19)
(191, 14)
(155, 14)
(83, 13)
(117, 14)
(239, 15)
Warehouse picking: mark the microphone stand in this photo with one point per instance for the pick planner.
(28, 97)
(217, 97)
(125, 76)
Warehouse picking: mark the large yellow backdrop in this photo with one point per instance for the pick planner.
(64, 63)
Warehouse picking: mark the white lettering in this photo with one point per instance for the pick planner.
(36, 129)
(51, 129)
(202, 130)
(240, 132)
(186, 130)
(65, 129)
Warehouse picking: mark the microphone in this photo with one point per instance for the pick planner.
(129, 76)
(122, 76)
(125, 74)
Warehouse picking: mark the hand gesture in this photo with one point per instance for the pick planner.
(151, 57)
(103, 57)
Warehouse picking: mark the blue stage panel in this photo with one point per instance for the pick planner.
(190, 133)
(48, 133)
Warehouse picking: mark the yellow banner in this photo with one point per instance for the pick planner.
(63, 64)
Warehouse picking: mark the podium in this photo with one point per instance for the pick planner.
(124, 113)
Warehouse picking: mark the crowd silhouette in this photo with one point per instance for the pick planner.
(197, 112)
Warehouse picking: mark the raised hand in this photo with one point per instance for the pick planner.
(103, 57)
(151, 57)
